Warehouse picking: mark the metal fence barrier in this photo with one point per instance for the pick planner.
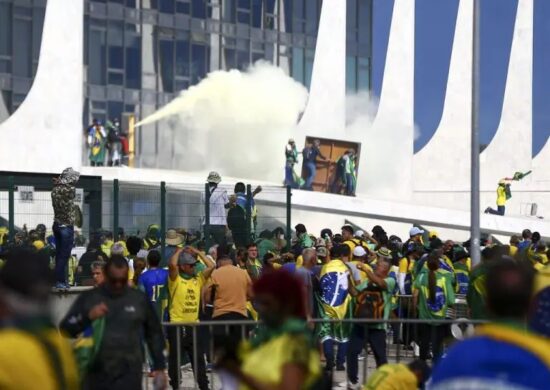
(201, 334)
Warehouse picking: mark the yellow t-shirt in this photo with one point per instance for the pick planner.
(392, 377)
(25, 364)
(501, 196)
(513, 250)
(406, 266)
(185, 298)
(266, 362)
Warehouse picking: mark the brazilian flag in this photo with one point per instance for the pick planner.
(87, 345)
(540, 315)
(334, 301)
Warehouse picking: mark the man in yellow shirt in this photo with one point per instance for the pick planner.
(503, 193)
(399, 376)
(184, 289)
(33, 354)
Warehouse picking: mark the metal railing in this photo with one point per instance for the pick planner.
(202, 332)
(25, 202)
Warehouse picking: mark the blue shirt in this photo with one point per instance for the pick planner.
(152, 282)
(483, 362)
(310, 154)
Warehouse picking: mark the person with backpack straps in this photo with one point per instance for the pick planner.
(372, 301)
(433, 293)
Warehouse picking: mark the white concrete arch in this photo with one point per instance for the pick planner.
(45, 133)
(511, 148)
(385, 167)
(325, 113)
(443, 164)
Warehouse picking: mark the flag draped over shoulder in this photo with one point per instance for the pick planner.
(334, 301)
(540, 314)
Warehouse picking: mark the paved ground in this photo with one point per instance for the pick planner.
(339, 378)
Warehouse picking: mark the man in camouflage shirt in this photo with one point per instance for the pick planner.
(63, 194)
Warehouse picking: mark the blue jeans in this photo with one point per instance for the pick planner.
(312, 170)
(289, 176)
(499, 211)
(64, 238)
(360, 335)
(328, 349)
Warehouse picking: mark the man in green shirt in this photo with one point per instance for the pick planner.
(380, 282)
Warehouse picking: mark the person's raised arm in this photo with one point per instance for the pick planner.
(376, 279)
(173, 271)
(210, 264)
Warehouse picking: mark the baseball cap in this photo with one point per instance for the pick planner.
(359, 251)
(322, 251)
(186, 258)
(359, 233)
(415, 231)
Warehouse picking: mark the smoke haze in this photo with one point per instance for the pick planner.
(236, 122)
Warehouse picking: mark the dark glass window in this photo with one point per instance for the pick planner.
(183, 7)
(230, 61)
(351, 74)
(114, 110)
(133, 61)
(116, 78)
(364, 21)
(312, 17)
(116, 51)
(199, 62)
(22, 35)
(97, 57)
(363, 74)
(166, 58)
(257, 13)
(287, 16)
(166, 6)
(298, 64)
(182, 57)
(198, 9)
(243, 59)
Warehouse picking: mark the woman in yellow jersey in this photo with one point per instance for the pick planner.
(282, 353)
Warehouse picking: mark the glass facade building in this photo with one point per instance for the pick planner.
(138, 54)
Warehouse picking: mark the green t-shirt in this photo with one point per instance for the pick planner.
(444, 296)
(386, 295)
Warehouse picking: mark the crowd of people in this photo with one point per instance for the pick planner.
(322, 300)
(108, 145)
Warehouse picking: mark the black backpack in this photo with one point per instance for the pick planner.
(369, 303)
(236, 218)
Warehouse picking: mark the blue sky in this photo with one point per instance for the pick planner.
(435, 25)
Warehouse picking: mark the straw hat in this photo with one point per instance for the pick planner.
(173, 238)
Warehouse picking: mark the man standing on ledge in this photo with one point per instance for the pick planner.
(310, 153)
(63, 194)
(219, 202)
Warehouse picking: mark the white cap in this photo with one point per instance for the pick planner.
(359, 251)
(415, 231)
(359, 233)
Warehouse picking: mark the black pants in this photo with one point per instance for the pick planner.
(186, 344)
(433, 335)
(217, 233)
(240, 238)
(360, 335)
(129, 379)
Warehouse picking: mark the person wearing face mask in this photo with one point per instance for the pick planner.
(129, 319)
(282, 354)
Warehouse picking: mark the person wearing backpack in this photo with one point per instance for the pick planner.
(372, 301)
(433, 293)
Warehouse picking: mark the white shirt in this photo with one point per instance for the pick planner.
(218, 200)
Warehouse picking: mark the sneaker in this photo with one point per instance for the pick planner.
(59, 286)
(487, 210)
(416, 349)
(353, 386)
(340, 367)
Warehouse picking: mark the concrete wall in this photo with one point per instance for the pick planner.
(45, 133)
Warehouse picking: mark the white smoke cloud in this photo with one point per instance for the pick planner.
(236, 122)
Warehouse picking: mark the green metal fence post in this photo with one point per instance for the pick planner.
(206, 230)
(248, 213)
(288, 217)
(115, 208)
(11, 208)
(162, 216)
